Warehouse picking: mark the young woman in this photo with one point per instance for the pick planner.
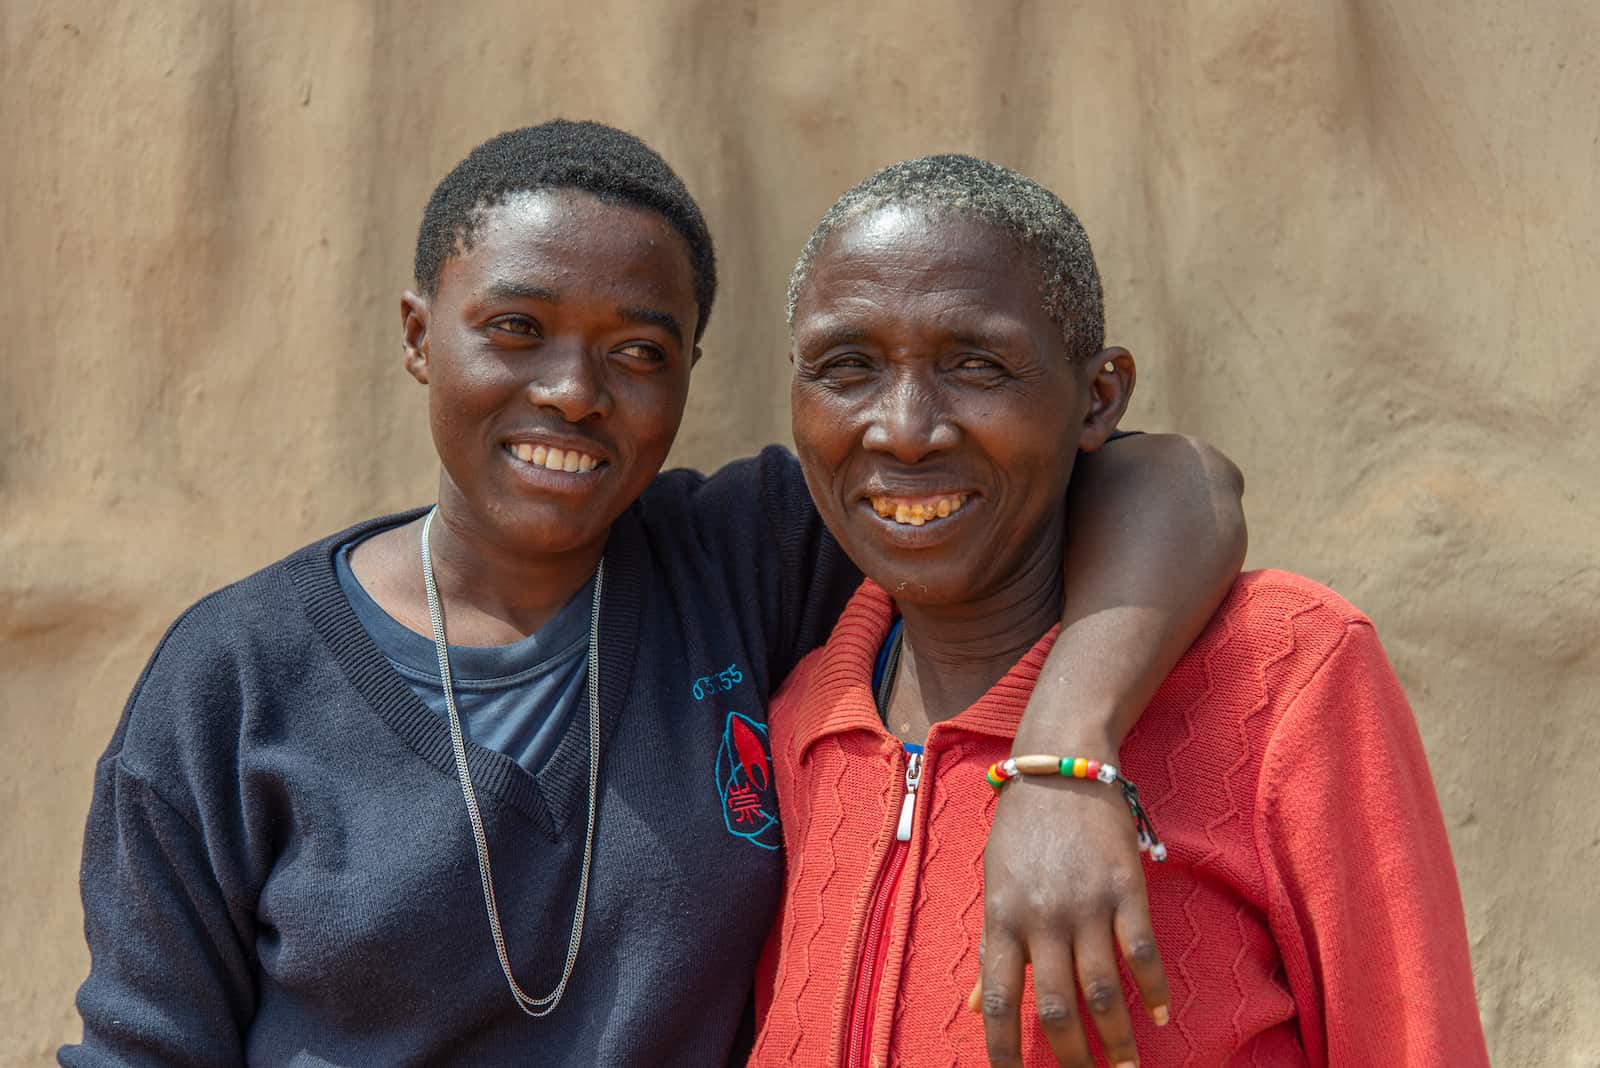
(488, 783)
(948, 348)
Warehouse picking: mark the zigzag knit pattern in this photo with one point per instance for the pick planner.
(1308, 914)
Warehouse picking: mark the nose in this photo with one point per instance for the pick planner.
(908, 421)
(570, 381)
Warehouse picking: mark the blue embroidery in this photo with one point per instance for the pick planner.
(745, 783)
(723, 681)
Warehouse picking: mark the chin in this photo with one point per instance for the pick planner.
(546, 534)
(911, 585)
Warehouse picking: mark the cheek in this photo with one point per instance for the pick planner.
(651, 411)
(820, 423)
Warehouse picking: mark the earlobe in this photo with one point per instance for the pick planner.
(1112, 375)
(414, 334)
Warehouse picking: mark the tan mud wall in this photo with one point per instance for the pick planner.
(1353, 243)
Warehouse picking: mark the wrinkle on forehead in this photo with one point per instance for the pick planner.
(902, 262)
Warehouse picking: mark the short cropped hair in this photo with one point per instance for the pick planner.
(1032, 215)
(606, 162)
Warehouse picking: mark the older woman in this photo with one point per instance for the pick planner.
(947, 346)
(488, 783)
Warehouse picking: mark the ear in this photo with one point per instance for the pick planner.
(414, 334)
(694, 357)
(1111, 377)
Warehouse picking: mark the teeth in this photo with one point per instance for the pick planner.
(554, 459)
(916, 515)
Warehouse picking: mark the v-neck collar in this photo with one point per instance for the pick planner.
(548, 799)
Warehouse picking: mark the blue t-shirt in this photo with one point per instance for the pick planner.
(516, 699)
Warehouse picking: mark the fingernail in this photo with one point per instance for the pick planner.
(1127, 1064)
(1160, 1015)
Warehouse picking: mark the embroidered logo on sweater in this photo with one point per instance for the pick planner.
(744, 779)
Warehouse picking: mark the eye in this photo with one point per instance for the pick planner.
(977, 363)
(520, 325)
(844, 363)
(643, 351)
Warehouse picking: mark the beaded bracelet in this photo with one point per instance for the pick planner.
(1081, 768)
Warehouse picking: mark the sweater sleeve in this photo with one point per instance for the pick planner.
(1363, 896)
(755, 519)
(169, 981)
(816, 578)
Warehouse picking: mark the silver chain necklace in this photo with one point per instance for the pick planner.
(533, 1006)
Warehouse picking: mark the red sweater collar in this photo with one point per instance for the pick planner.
(839, 696)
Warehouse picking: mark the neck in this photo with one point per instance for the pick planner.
(493, 593)
(953, 654)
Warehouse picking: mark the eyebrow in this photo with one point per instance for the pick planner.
(974, 340)
(507, 290)
(840, 334)
(652, 317)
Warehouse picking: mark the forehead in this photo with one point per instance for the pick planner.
(574, 244)
(933, 265)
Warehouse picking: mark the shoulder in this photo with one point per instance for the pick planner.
(1271, 598)
(1274, 634)
(1274, 615)
(1300, 659)
(232, 654)
(267, 615)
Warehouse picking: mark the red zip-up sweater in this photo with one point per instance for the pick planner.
(1307, 915)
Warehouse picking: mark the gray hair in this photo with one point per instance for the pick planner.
(1032, 215)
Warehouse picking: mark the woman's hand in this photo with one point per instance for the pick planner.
(1155, 538)
(1063, 886)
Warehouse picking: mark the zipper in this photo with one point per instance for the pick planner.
(880, 921)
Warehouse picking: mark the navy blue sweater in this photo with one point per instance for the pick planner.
(278, 865)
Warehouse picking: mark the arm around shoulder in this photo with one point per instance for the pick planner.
(1155, 537)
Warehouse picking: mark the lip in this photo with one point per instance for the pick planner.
(930, 534)
(555, 441)
(546, 479)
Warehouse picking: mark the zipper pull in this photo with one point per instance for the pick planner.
(909, 804)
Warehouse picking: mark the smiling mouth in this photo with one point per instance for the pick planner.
(571, 461)
(917, 511)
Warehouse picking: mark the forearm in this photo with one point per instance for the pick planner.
(1155, 537)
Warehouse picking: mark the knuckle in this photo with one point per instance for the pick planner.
(997, 1003)
(1122, 882)
(1056, 1011)
(995, 906)
(1101, 996)
(1142, 951)
(1041, 899)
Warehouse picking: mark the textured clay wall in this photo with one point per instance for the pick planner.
(1354, 243)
